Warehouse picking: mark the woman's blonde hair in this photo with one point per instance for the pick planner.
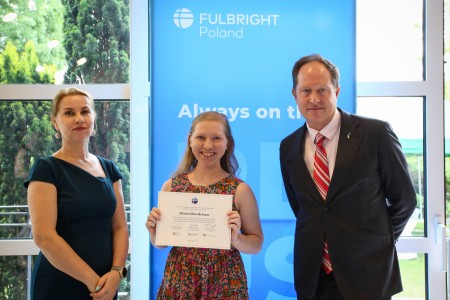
(68, 92)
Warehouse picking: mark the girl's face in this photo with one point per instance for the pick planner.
(75, 118)
(208, 142)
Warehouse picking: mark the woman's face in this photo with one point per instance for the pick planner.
(208, 142)
(75, 118)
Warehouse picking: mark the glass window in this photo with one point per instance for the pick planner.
(15, 272)
(390, 40)
(68, 42)
(43, 43)
(27, 134)
(413, 272)
(410, 133)
(447, 105)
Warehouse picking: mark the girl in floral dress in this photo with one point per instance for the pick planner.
(209, 166)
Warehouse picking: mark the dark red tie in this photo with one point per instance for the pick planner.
(321, 177)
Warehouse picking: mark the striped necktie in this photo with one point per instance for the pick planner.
(321, 177)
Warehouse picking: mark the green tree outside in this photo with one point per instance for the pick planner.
(39, 21)
(97, 41)
(98, 32)
(25, 133)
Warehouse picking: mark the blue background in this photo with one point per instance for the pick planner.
(250, 74)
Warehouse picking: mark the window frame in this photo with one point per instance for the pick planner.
(138, 94)
(432, 90)
(140, 138)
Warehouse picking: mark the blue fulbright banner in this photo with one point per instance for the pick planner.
(236, 57)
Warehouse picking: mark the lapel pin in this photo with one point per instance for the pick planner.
(348, 135)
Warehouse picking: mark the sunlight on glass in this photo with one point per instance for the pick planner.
(410, 133)
(9, 17)
(390, 108)
(389, 40)
(81, 61)
(32, 5)
(53, 44)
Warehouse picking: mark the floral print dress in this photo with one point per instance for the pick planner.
(201, 273)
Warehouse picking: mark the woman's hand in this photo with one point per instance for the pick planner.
(107, 286)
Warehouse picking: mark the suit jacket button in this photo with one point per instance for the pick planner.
(325, 209)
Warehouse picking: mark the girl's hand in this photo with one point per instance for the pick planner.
(234, 222)
(153, 217)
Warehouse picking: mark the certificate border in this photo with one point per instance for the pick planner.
(160, 241)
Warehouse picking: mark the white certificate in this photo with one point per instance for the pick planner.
(194, 220)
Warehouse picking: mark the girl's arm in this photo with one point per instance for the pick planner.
(246, 234)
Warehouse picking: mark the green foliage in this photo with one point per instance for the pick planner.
(97, 32)
(29, 54)
(24, 67)
(112, 138)
(413, 272)
(13, 282)
(9, 64)
(25, 133)
(38, 21)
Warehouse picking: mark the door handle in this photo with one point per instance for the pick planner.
(441, 240)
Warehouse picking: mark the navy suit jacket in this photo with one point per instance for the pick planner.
(370, 199)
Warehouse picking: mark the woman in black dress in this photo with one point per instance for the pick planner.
(77, 211)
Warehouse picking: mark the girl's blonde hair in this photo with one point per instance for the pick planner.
(228, 161)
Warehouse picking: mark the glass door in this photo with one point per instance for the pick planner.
(400, 75)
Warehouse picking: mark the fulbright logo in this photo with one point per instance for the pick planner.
(183, 18)
(223, 25)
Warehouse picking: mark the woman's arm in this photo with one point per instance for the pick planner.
(43, 213)
(110, 281)
(246, 235)
(119, 229)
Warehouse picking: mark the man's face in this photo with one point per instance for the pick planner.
(315, 95)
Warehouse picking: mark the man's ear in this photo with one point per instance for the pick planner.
(338, 90)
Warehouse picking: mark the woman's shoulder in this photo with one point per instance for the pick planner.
(45, 163)
(110, 168)
(44, 169)
(105, 161)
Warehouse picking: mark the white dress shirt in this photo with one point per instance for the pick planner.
(331, 132)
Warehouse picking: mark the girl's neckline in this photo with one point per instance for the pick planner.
(206, 185)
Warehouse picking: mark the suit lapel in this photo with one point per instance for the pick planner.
(349, 141)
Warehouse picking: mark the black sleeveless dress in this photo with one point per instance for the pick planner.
(86, 205)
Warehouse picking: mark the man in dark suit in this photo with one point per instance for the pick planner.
(351, 200)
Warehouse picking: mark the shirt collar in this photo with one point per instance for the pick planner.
(330, 130)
